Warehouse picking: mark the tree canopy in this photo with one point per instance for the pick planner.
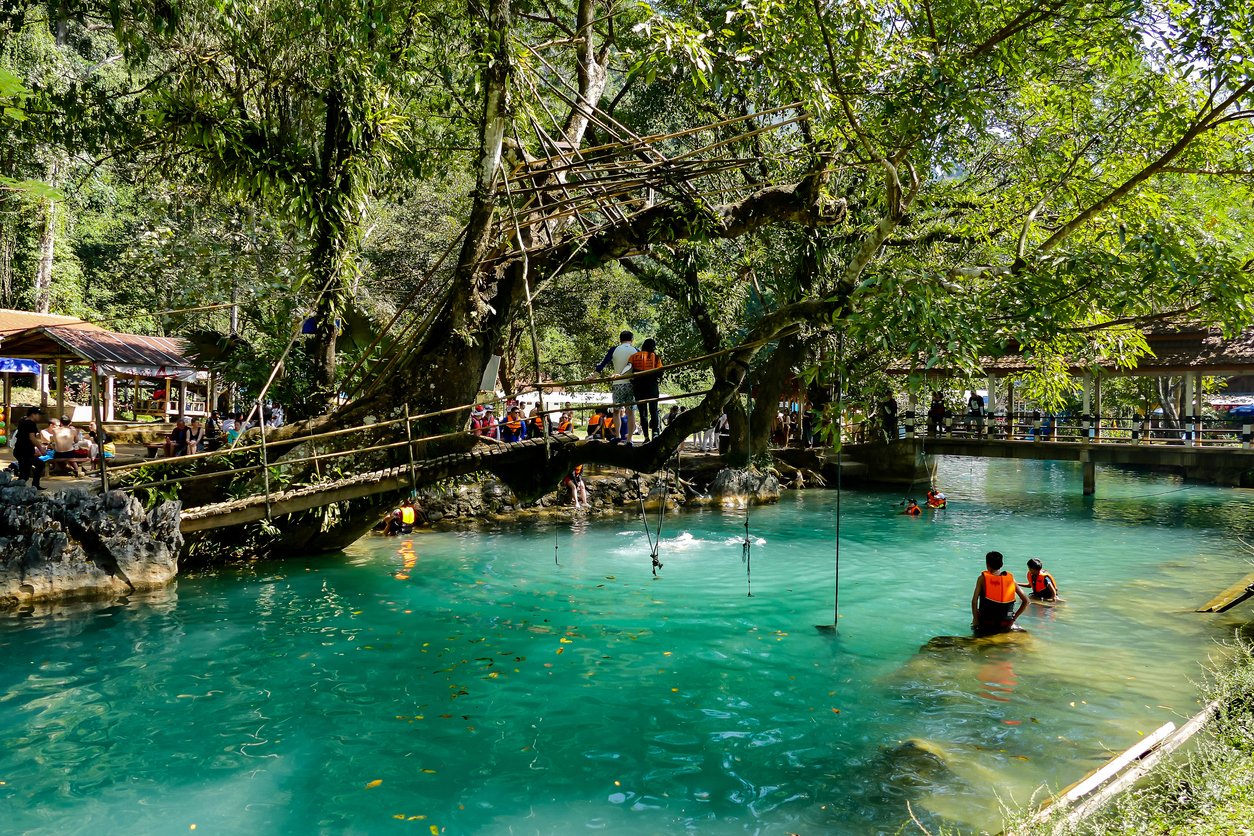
(932, 180)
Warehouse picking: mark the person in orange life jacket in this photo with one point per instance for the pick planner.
(935, 499)
(645, 386)
(594, 423)
(513, 428)
(994, 598)
(537, 423)
(912, 508)
(565, 421)
(578, 491)
(1040, 585)
(402, 519)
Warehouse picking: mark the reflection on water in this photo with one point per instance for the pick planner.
(467, 682)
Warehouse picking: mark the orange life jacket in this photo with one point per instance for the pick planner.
(594, 423)
(513, 424)
(914, 510)
(1036, 581)
(538, 423)
(563, 425)
(644, 361)
(407, 515)
(1000, 589)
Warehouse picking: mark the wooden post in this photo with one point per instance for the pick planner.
(1090, 473)
(409, 448)
(43, 385)
(109, 398)
(265, 465)
(1097, 399)
(1010, 409)
(8, 407)
(1086, 419)
(135, 396)
(167, 383)
(182, 398)
(1186, 409)
(1197, 410)
(98, 417)
(60, 387)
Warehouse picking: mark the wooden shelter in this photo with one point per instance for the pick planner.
(158, 376)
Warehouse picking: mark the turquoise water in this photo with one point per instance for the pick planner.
(466, 683)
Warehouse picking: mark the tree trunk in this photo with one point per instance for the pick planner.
(739, 450)
(767, 388)
(43, 271)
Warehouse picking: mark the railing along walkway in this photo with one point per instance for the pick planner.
(1191, 432)
(306, 497)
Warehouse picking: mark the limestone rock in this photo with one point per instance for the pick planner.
(74, 544)
(738, 488)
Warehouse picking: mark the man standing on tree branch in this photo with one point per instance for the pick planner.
(618, 359)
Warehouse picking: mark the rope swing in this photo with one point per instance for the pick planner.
(746, 548)
(655, 542)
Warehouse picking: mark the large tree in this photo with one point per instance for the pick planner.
(930, 178)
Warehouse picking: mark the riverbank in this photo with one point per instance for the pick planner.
(1207, 789)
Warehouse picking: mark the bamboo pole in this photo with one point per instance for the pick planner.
(96, 396)
(409, 448)
(265, 467)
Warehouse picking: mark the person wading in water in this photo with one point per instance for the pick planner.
(994, 597)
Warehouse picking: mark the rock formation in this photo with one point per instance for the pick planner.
(74, 544)
(733, 488)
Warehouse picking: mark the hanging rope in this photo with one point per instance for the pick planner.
(840, 449)
(746, 548)
(655, 542)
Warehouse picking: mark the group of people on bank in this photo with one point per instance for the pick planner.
(34, 447)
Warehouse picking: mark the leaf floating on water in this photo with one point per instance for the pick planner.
(399, 816)
(429, 771)
(376, 782)
(835, 710)
(565, 640)
(435, 831)
(560, 649)
(1011, 722)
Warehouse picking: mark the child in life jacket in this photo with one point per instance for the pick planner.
(994, 598)
(912, 509)
(1040, 585)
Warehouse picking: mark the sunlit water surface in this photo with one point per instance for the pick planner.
(464, 683)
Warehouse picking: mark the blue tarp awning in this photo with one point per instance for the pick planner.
(1243, 411)
(14, 365)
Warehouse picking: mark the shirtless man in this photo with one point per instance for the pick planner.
(68, 441)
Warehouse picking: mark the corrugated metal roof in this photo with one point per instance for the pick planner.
(1174, 351)
(12, 321)
(95, 345)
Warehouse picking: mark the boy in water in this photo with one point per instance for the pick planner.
(1040, 585)
(994, 597)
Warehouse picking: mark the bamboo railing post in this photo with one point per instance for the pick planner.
(100, 431)
(265, 465)
(409, 448)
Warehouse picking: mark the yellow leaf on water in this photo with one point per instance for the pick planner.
(429, 771)
(415, 818)
(564, 640)
(560, 649)
(400, 816)
(376, 782)
(435, 831)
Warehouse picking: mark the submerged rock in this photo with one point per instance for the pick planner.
(733, 488)
(74, 544)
